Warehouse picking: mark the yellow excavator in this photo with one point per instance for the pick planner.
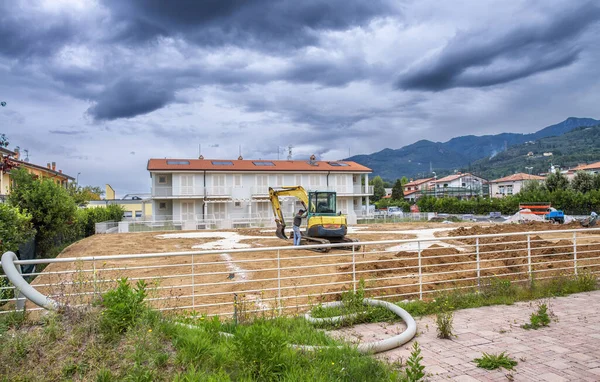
(324, 225)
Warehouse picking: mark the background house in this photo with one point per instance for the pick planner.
(459, 185)
(135, 206)
(236, 191)
(14, 157)
(510, 185)
(412, 188)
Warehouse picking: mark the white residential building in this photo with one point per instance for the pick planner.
(510, 185)
(235, 192)
(460, 185)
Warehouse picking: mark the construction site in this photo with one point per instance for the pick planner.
(210, 272)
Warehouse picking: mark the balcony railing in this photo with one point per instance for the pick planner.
(193, 191)
(260, 191)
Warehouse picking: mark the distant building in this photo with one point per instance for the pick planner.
(231, 192)
(135, 206)
(412, 188)
(510, 185)
(592, 168)
(14, 157)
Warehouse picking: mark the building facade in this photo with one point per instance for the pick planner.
(13, 158)
(459, 185)
(234, 192)
(510, 185)
(412, 188)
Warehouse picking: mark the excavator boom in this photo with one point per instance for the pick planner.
(274, 194)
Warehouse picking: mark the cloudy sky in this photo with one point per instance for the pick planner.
(100, 86)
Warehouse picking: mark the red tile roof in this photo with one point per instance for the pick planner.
(249, 165)
(452, 177)
(591, 166)
(518, 177)
(418, 181)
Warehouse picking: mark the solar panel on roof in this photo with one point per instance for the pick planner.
(263, 163)
(339, 164)
(222, 163)
(178, 162)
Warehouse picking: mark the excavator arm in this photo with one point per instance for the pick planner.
(297, 191)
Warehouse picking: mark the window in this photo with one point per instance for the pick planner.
(298, 180)
(315, 180)
(178, 162)
(464, 185)
(501, 190)
(162, 206)
(138, 214)
(187, 184)
(263, 163)
(279, 180)
(237, 204)
(338, 164)
(509, 190)
(222, 163)
(322, 203)
(127, 214)
(162, 179)
(237, 181)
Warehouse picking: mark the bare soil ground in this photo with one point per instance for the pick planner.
(209, 282)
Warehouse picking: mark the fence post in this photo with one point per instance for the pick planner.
(478, 263)
(279, 280)
(193, 286)
(529, 257)
(575, 252)
(420, 272)
(353, 270)
(95, 278)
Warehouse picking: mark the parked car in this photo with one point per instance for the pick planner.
(395, 211)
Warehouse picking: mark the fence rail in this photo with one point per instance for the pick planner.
(290, 279)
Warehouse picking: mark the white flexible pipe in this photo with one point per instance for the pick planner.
(375, 346)
(14, 275)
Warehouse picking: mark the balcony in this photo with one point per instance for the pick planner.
(258, 191)
(352, 190)
(190, 192)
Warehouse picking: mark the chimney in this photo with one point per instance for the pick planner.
(240, 158)
(48, 166)
(53, 166)
(17, 152)
(60, 171)
(201, 157)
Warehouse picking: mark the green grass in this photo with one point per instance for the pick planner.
(494, 292)
(150, 346)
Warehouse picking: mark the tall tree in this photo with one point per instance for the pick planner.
(557, 181)
(52, 209)
(82, 195)
(583, 182)
(378, 188)
(398, 190)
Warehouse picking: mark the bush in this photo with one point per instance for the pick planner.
(538, 319)
(15, 228)
(88, 217)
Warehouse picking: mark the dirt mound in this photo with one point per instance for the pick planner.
(510, 228)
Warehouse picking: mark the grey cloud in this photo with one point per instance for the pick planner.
(474, 59)
(128, 98)
(263, 23)
(67, 132)
(25, 32)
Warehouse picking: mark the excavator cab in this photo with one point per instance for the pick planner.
(321, 203)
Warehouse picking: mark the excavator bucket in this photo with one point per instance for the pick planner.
(280, 231)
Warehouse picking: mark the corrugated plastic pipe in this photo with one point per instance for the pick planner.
(13, 272)
(374, 346)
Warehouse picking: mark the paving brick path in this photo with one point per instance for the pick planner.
(567, 350)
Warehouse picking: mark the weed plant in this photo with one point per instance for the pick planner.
(495, 361)
(538, 319)
(415, 370)
(443, 321)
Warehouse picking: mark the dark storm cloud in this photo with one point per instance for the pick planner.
(128, 98)
(267, 23)
(477, 58)
(25, 32)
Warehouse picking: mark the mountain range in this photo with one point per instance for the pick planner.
(419, 158)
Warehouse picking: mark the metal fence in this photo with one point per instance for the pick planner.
(290, 279)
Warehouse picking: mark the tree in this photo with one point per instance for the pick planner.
(15, 228)
(404, 180)
(51, 208)
(378, 188)
(398, 190)
(583, 182)
(557, 181)
(596, 181)
(82, 195)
